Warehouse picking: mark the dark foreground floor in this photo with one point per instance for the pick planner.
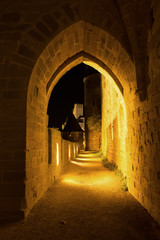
(86, 203)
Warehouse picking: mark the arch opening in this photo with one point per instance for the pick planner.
(114, 119)
(39, 174)
(113, 147)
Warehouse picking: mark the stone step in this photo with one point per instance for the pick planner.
(80, 159)
(89, 156)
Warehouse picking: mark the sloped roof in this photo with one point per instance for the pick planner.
(72, 125)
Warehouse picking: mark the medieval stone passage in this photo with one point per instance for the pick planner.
(42, 40)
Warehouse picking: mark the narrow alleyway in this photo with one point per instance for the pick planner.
(86, 203)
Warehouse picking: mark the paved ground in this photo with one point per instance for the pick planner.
(86, 203)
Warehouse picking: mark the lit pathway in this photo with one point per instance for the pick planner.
(86, 203)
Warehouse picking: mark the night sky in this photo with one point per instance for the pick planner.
(68, 91)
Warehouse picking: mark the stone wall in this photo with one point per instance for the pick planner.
(145, 136)
(46, 171)
(114, 124)
(142, 141)
(130, 138)
(61, 152)
(92, 103)
(93, 140)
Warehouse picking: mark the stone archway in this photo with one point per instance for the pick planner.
(28, 28)
(81, 42)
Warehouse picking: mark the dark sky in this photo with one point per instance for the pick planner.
(68, 91)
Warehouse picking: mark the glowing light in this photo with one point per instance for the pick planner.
(57, 154)
(74, 150)
(83, 164)
(92, 175)
(77, 148)
(69, 180)
(69, 151)
(93, 181)
(84, 143)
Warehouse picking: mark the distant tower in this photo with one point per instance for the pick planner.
(92, 110)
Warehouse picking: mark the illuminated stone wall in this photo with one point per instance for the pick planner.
(44, 172)
(114, 124)
(145, 135)
(61, 152)
(143, 130)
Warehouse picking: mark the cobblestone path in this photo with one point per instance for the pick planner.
(85, 203)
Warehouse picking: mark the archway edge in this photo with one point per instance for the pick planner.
(80, 42)
(77, 59)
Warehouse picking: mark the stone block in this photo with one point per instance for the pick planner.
(43, 29)
(25, 51)
(68, 10)
(112, 58)
(51, 51)
(51, 22)
(110, 42)
(22, 61)
(49, 63)
(36, 35)
(42, 66)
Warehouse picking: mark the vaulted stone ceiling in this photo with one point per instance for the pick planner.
(36, 22)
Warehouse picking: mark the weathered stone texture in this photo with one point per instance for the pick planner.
(114, 125)
(38, 44)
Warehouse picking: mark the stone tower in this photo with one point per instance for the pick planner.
(92, 108)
